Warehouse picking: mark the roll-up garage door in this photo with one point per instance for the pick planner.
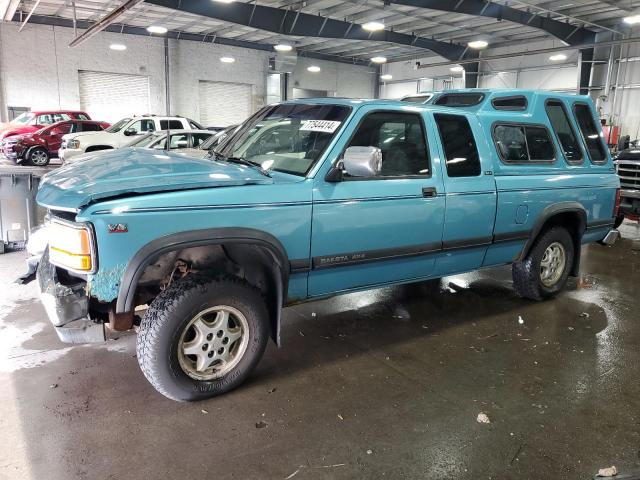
(223, 104)
(112, 96)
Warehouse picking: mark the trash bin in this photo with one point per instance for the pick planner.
(19, 212)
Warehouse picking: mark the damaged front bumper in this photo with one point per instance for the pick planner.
(67, 306)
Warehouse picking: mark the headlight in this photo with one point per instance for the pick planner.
(73, 144)
(71, 246)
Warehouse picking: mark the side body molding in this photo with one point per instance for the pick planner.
(212, 236)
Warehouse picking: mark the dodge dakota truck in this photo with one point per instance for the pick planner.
(313, 198)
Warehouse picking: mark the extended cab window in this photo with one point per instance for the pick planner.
(564, 131)
(401, 138)
(459, 145)
(590, 134)
(523, 143)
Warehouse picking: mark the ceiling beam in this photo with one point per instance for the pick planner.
(196, 37)
(571, 34)
(104, 22)
(295, 23)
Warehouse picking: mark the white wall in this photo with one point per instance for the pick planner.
(39, 71)
(341, 79)
(534, 72)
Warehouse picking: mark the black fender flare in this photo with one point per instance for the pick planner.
(549, 212)
(211, 236)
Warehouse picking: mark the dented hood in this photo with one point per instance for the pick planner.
(135, 171)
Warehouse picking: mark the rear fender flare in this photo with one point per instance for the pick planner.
(547, 214)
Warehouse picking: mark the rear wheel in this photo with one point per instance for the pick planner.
(545, 270)
(202, 337)
(38, 157)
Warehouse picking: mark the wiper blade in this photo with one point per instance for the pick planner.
(241, 161)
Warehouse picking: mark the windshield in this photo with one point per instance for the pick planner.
(23, 119)
(116, 127)
(146, 140)
(288, 138)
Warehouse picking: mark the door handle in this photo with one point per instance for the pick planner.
(429, 192)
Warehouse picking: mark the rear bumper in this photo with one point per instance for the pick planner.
(611, 237)
(67, 306)
(629, 202)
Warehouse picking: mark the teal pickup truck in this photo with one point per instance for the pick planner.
(314, 198)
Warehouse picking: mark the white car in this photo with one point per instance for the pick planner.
(181, 140)
(120, 134)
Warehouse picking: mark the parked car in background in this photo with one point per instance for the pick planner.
(180, 140)
(29, 122)
(628, 167)
(204, 150)
(39, 147)
(121, 134)
(313, 198)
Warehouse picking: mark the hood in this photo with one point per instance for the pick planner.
(134, 171)
(8, 129)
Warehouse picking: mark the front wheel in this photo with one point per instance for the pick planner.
(38, 157)
(202, 337)
(544, 271)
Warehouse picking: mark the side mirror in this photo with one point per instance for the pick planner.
(362, 161)
(129, 132)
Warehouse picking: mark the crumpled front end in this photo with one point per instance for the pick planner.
(66, 302)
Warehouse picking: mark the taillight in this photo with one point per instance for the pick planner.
(616, 206)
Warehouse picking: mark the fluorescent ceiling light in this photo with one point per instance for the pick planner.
(477, 44)
(373, 26)
(313, 69)
(227, 59)
(379, 59)
(156, 29)
(386, 76)
(457, 69)
(118, 47)
(224, 1)
(558, 57)
(283, 47)
(632, 20)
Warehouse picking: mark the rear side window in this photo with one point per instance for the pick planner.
(564, 131)
(590, 134)
(459, 145)
(523, 143)
(91, 127)
(82, 116)
(171, 125)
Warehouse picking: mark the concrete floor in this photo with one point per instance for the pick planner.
(381, 384)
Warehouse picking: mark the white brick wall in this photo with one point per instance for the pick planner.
(39, 70)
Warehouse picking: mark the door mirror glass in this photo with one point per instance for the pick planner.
(362, 161)
(130, 132)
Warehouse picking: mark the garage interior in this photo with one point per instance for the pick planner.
(384, 383)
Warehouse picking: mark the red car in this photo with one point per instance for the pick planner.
(29, 122)
(38, 147)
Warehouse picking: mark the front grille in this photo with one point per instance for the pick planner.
(629, 173)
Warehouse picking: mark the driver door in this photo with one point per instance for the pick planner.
(386, 227)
